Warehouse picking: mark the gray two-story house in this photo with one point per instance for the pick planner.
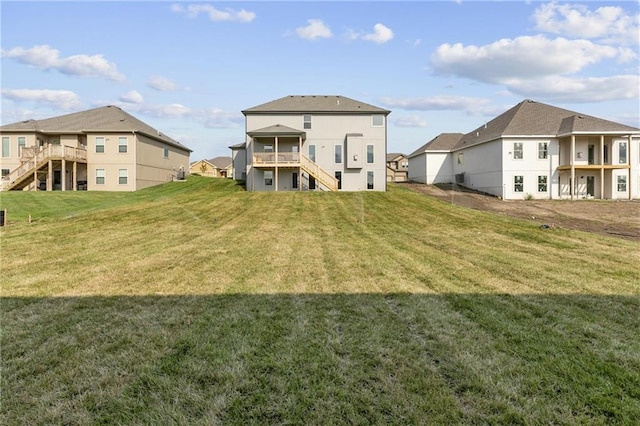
(319, 142)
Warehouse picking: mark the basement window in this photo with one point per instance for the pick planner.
(99, 176)
(268, 178)
(622, 184)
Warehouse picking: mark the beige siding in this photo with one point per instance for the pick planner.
(153, 168)
(111, 161)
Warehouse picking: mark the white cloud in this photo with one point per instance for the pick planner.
(62, 99)
(522, 58)
(132, 97)
(608, 23)
(438, 103)
(410, 121)
(165, 110)
(46, 58)
(381, 34)
(215, 118)
(588, 89)
(161, 84)
(315, 29)
(215, 15)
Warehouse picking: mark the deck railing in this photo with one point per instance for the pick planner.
(270, 158)
(39, 158)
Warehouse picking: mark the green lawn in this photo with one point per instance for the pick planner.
(199, 303)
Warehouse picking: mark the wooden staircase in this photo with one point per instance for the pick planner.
(320, 175)
(34, 160)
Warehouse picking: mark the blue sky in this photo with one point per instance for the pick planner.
(189, 68)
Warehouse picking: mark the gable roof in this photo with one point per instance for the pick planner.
(278, 130)
(315, 104)
(103, 119)
(220, 162)
(531, 118)
(393, 155)
(442, 142)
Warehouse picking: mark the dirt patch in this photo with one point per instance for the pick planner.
(614, 218)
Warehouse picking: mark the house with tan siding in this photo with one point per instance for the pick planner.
(539, 151)
(214, 167)
(316, 142)
(101, 149)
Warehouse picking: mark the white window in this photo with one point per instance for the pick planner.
(370, 179)
(122, 144)
(338, 154)
(622, 183)
(268, 178)
(312, 153)
(22, 142)
(166, 152)
(622, 153)
(123, 176)
(542, 183)
(377, 120)
(369, 154)
(268, 148)
(543, 150)
(99, 144)
(5, 172)
(517, 151)
(461, 158)
(307, 121)
(99, 176)
(518, 184)
(6, 146)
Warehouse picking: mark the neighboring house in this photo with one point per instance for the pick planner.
(215, 167)
(537, 151)
(239, 161)
(397, 167)
(101, 149)
(300, 143)
(436, 167)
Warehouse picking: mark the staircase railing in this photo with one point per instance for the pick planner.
(320, 174)
(39, 159)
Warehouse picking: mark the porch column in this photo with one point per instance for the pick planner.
(275, 173)
(299, 163)
(573, 166)
(74, 181)
(602, 167)
(63, 175)
(35, 176)
(50, 176)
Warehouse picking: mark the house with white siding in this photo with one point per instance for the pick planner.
(321, 142)
(539, 151)
(101, 149)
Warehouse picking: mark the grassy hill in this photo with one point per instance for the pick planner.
(197, 302)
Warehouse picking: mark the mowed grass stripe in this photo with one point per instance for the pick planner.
(197, 302)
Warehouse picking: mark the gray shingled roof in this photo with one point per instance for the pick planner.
(530, 118)
(277, 129)
(315, 104)
(220, 162)
(241, 145)
(393, 155)
(103, 119)
(442, 142)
